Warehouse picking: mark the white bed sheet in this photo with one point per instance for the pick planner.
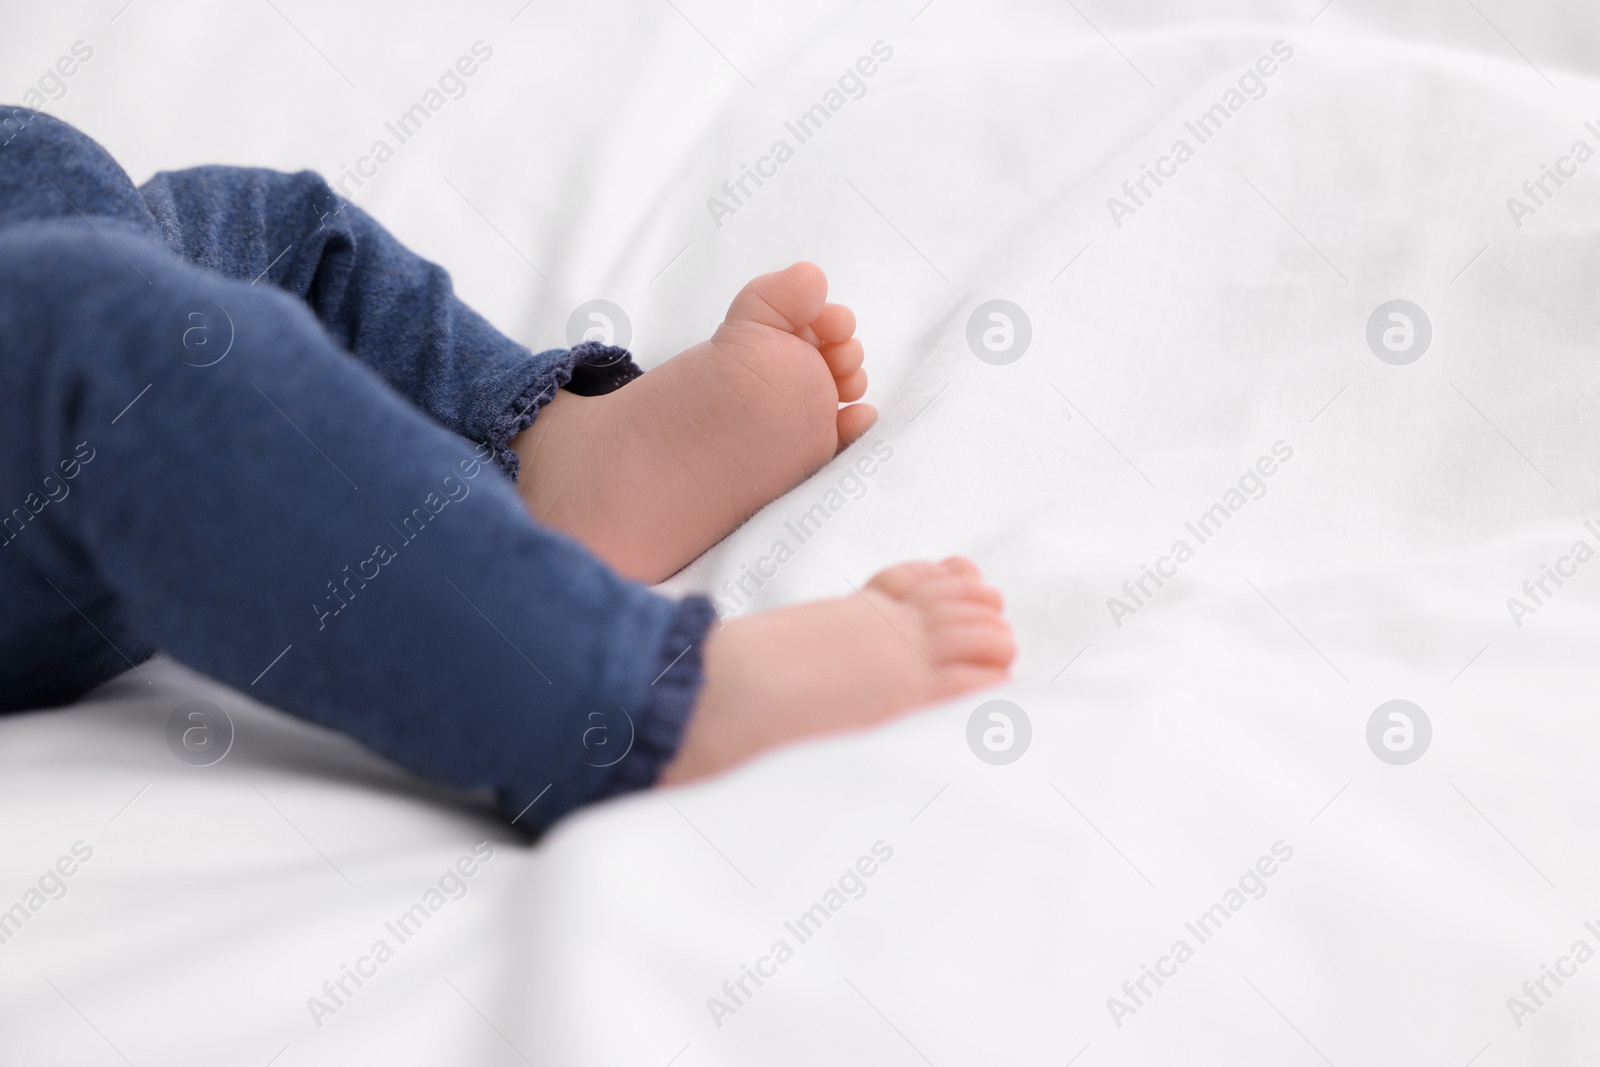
(1168, 753)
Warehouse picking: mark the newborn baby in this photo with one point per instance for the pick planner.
(229, 394)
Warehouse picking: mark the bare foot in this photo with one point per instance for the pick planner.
(916, 634)
(650, 476)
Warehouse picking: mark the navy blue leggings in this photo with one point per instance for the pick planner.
(240, 424)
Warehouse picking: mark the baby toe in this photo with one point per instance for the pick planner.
(960, 565)
(943, 586)
(960, 610)
(901, 579)
(986, 644)
(853, 421)
(852, 386)
(835, 323)
(789, 299)
(844, 357)
(965, 677)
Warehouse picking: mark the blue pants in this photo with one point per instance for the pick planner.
(242, 425)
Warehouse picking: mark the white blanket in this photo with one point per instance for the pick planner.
(1199, 800)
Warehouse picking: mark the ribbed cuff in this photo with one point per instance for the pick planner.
(679, 673)
(589, 369)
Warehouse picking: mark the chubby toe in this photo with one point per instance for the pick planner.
(965, 677)
(955, 610)
(845, 358)
(852, 386)
(985, 644)
(853, 421)
(942, 586)
(790, 299)
(898, 581)
(835, 323)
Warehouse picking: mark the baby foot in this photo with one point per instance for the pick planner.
(916, 634)
(650, 476)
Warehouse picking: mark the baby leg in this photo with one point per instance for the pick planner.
(190, 464)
